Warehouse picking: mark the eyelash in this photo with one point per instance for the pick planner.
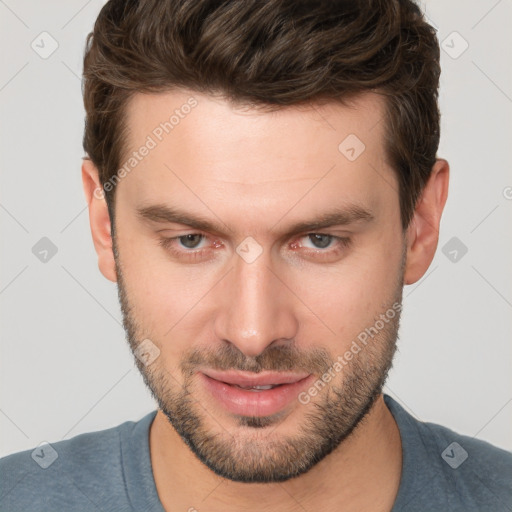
(193, 255)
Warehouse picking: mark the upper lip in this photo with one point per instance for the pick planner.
(266, 378)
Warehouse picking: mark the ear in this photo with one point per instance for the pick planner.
(423, 231)
(99, 219)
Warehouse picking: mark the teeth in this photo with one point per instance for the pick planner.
(257, 388)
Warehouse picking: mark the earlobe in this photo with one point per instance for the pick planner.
(423, 231)
(99, 219)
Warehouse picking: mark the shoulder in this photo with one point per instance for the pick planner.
(75, 474)
(445, 470)
(478, 469)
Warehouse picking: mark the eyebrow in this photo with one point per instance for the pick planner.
(337, 217)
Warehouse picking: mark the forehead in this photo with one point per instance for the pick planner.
(204, 150)
(192, 117)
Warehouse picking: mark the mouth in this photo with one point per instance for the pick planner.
(257, 388)
(254, 394)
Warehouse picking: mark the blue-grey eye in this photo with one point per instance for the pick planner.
(190, 241)
(320, 241)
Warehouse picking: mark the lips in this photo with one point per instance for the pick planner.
(262, 380)
(254, 394)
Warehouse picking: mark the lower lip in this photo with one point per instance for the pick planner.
(245, 402)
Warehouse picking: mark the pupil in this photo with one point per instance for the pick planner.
(321, 241)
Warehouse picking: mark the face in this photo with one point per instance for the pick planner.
(261, 259)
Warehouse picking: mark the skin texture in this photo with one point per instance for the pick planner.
(296, 306)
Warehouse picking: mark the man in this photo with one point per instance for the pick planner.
(262, 181)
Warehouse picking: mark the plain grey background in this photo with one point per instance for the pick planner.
(65, 367)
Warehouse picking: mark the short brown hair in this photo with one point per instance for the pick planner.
(271, 53)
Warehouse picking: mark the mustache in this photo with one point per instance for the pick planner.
(274, 358)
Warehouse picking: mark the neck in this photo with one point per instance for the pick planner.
(363, 473)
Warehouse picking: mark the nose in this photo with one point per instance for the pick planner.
(255, 308)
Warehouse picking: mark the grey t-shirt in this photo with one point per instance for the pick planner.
(111, 470)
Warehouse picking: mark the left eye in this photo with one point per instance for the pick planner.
(319, 240)
(191, 241)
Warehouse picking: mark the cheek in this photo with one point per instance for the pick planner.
(162, 294)
(349, 296)
(159, 291)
